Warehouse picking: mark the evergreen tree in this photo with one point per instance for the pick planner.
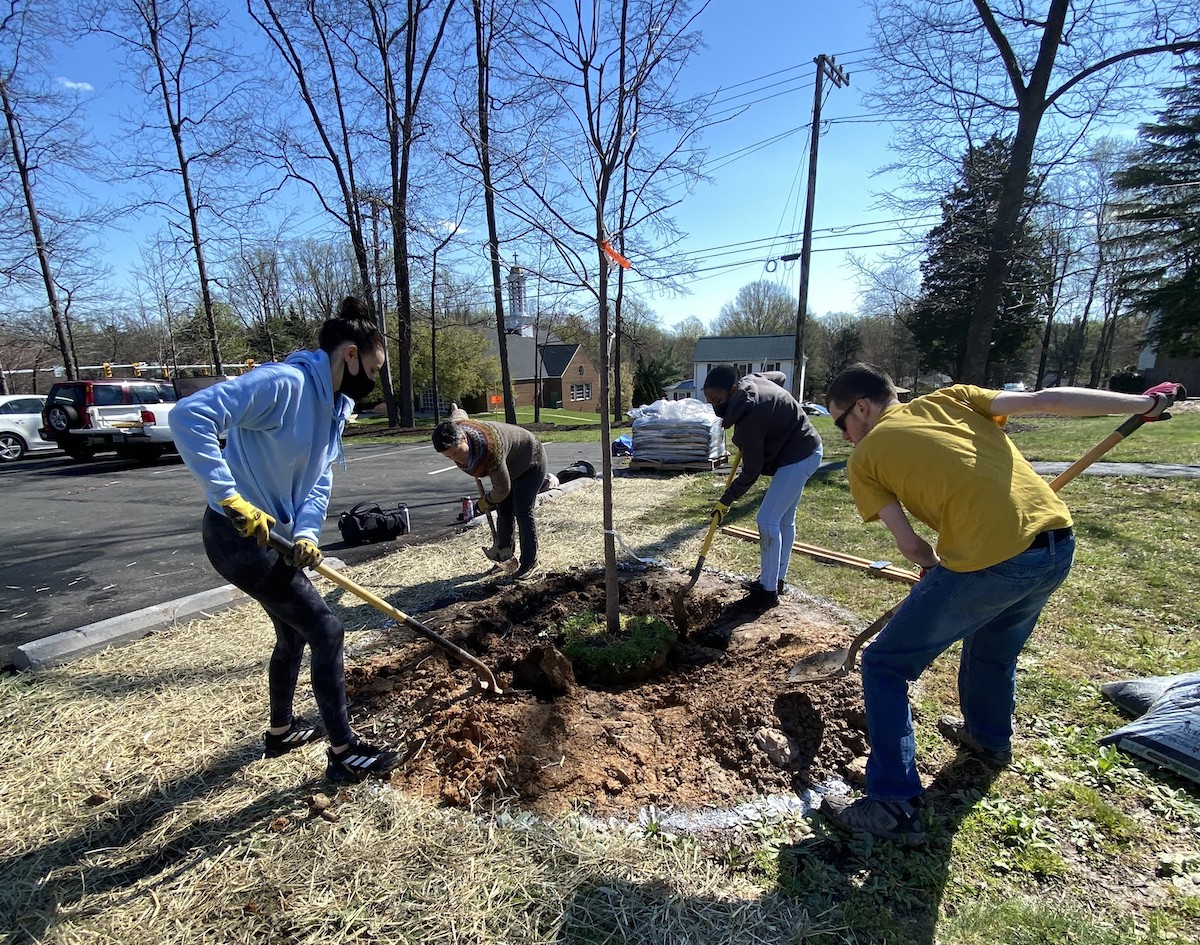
(953, 270)
(1163, 186)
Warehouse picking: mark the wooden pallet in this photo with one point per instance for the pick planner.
(643, 465)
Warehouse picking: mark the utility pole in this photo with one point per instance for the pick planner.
(826, 66)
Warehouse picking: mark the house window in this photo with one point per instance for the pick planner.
(581, 370)
(771, 366)
(581, 392)
(743, 369)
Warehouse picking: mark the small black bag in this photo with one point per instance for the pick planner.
(367, 522)
(580, 469)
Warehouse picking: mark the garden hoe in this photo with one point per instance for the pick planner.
(486, 679)
(834, 664)
(677, 602)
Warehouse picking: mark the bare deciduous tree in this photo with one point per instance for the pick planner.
(971, 69)
(183, 63)
(611, 70)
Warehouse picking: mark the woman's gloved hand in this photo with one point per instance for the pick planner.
(249, 520)
(305, 554)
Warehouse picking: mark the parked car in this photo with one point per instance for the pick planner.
(128, 415)
(20, 417)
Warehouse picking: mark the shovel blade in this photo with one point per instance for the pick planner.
(829, 664)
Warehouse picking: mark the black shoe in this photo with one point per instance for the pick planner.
(898, 821)
(359, 762)
(758, 600)
(750, 585)
(300, 733)
(955, 731)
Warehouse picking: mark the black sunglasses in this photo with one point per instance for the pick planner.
(840, 422)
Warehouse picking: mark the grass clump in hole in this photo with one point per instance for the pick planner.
(639, 649)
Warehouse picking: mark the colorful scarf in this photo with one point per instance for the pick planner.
(482, 448)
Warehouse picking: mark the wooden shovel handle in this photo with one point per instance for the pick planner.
(487, 680)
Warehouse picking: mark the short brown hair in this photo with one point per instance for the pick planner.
(861, 381)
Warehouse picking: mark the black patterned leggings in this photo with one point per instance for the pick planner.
(300, 616)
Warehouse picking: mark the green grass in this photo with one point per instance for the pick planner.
(1033, 856)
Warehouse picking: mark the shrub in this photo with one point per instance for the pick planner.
(640, 647)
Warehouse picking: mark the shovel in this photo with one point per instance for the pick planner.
(677, 602)
(834, 664)
(486, 679)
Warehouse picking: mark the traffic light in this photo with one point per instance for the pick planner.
(107, 369)
(137, 368)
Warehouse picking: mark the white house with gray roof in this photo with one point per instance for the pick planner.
(749, 354)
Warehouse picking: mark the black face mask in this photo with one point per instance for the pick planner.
(719, 409)
(356, 386)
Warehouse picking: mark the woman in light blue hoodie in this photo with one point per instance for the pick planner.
(283, 429)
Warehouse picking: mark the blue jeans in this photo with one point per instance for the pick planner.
(777, 518)
(993, 612)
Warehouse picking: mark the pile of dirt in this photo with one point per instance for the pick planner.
(718, 725)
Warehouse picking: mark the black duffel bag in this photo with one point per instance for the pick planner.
(367, 522)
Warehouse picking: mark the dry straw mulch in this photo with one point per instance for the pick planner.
(136, 807)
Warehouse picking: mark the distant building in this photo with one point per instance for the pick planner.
(562, 372)
(1158, 368)
(681, 390)
(749, 354)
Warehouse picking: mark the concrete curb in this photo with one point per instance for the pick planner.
(126, 628)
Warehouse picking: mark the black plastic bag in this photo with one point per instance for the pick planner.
(580, 469)
(367, 522)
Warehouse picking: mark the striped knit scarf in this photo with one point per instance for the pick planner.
(482, 447)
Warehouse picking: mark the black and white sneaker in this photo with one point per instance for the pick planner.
(299, 734)
(360, 761)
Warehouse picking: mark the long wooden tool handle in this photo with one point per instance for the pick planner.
(1097, 451)
(712, 526)
(488, 514)
(284, 546)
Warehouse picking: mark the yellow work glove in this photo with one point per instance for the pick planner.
(305, 554)
(484, 505)
(720, 510)
(249, 520)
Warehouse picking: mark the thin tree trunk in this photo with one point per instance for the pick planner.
(35, 227)
(482, 73)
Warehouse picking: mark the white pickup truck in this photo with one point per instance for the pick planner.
(128, 415)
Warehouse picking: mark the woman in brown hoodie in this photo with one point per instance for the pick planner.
(515, 462)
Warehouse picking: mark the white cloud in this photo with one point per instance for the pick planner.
(73, 86)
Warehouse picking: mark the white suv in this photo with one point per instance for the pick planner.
(20, 417)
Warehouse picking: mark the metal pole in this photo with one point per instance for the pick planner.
(839, 78)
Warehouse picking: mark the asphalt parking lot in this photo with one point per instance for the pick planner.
(84, 542)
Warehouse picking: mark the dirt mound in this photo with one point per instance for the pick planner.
(717, 725)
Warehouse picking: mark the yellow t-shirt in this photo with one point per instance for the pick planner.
(946, 460)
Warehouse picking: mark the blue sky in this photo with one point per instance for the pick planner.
(759, 55)
(763, 51)
(758, 61)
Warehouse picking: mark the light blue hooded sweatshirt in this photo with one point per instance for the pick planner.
(283, 424)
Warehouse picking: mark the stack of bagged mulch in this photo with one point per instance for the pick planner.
(677, 431)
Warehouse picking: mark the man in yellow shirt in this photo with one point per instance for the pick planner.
(1005, 543)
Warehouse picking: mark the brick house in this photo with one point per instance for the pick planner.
(563, 372)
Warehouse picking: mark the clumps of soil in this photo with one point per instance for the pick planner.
(717, 725)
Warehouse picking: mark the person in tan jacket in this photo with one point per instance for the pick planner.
(515, 462)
